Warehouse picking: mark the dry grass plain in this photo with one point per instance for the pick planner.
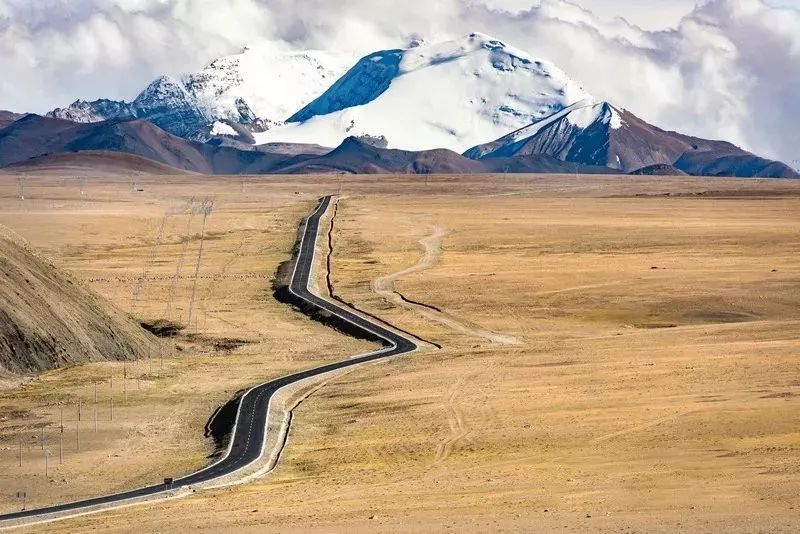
(618, 354)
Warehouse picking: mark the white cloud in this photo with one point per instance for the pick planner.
(726, 69)
(648, 14)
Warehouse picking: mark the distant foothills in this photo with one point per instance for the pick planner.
(472, 105)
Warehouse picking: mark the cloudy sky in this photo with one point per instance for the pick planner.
(715, 68)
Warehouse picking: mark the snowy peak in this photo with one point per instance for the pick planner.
(262, 85)
(599, 134)
(501, 56)
(586, 132)
(99, 110)
(596, 113)
(258, 87)
(167, 103)
(374, 74)
(162, 90)
(511, 144)
(451, 94)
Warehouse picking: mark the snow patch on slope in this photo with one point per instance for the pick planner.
(616, 119)
(221, 128)
(583, 116)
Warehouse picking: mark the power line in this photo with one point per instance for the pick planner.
(150, 260)
(181, 260)
(207, 207)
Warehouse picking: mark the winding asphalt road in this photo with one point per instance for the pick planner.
(249, 432)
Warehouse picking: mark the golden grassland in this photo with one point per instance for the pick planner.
(240, 334)
(617, 354)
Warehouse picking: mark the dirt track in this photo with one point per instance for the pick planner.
(385, 286)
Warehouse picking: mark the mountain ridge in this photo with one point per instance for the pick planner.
(36, 142)
(258, 87)
(607, 136)
(475, 95)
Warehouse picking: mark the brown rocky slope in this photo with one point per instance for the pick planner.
(48, 320)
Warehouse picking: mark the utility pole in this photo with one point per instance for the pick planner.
(124, 382)
(181, 260)
(111, 378)
(21, 187)
(46, 467)
(42, 436)
(61, 439)
(20, 451)
(142, 280)
(95, 418)
(79, 408)
(111, 405)
(77, 436)
(207, 207)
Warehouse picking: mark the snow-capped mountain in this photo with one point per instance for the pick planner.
(257, 87)
(167, 103)
(261, 85)
(476, 95)
(579, 132)
(453, 94)
(96, 111)
(597, 133)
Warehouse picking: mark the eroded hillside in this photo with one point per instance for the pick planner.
(48, 320)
